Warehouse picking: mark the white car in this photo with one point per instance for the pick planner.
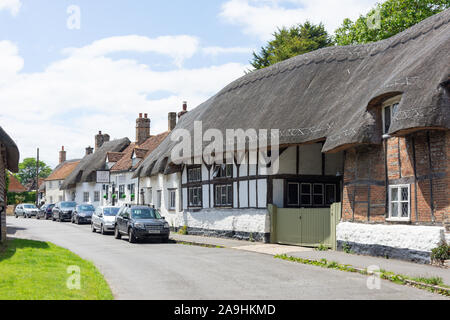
(26, 210)
(104, 219)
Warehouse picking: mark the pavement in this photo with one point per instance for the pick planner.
(188, 272)
(359, 261)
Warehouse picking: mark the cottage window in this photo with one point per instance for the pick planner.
(195, 197)
(224, 195)
(158, 199)
(311, 194)
(85, 196)
(390, 108)
(172, 200)
(400, 202)
(223, 171)
(194, 174)
(121, 191)
(96, 196)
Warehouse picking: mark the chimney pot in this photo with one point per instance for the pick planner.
(184, 105)
(182, 113)
(62, 155)
(142, 129)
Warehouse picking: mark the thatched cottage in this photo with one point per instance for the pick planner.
(366, 126)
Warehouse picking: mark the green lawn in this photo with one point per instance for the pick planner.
(32, 270)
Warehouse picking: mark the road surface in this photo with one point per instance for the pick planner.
(176, 271)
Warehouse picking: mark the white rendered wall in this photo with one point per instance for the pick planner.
(419, 238)
(53, 191)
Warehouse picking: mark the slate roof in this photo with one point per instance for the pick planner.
(328, 95)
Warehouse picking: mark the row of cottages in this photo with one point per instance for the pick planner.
(366, 126)
(78, 180)
(9, 161)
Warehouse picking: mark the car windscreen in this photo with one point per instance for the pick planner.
(145, 213)
(29, 206)
(110, 212)
(85, 208)
(68, 204)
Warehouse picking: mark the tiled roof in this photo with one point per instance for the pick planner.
(63, 170)
(114, 156)
(142, 151)
(15, 185)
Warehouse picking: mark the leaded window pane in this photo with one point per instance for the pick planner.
(405, 210)
(405, 194)
(394, 210)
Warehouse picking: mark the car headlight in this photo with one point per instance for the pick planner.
(166, 225)
(139, 225)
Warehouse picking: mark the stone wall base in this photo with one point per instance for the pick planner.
(386, 252)
(228, 234)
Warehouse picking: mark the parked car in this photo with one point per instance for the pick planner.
(140, 222)
(83, 214)
(62, 211)
(45, 212)
(26, 210)
(104, 219)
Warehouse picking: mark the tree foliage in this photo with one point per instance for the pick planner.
(290, 42)
(27, 171)
(386, 20)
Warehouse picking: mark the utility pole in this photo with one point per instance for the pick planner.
(37, 178)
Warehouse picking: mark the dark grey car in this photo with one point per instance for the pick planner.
(62, 211)
(141, 222)
(83, 214)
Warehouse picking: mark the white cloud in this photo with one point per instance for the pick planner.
(177, 47)
(86, 91)
(261, 18)
(12, 5)
(214, 51)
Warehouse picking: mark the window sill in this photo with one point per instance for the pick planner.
(398, 220)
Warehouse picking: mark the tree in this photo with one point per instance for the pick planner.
(288, 43)
(386, 20)
(27, 171)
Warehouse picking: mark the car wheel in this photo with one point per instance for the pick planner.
(131, 237)
(165, 240)
(102, 230)
(78, 221)
(117, 234)
(93, 228)
(17, 217)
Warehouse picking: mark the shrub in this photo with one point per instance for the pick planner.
(440, 254)
(183, 230)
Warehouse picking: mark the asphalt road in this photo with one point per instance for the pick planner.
(175, 271)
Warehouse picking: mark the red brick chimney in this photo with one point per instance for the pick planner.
(182, 113)
(62, 156)
(100, 139)
(142, 128)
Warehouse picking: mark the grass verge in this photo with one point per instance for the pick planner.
(32, 270)
(434, 284)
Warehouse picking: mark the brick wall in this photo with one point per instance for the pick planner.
(421, 160)
(3, 195)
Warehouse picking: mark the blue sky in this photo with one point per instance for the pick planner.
(59, 86)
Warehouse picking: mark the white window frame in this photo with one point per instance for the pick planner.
(389, 104)
(172, 199)
(96, 196)
(399, 201)
(158, 199)
(88, 197)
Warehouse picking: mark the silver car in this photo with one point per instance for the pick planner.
(104, 219)
(26, 210)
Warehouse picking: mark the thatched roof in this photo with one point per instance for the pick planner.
(86, 170)
(328, 95)
(12, 152)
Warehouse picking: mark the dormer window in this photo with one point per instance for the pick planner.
(390, 108)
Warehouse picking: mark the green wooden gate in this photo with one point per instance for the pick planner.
(305, 227)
